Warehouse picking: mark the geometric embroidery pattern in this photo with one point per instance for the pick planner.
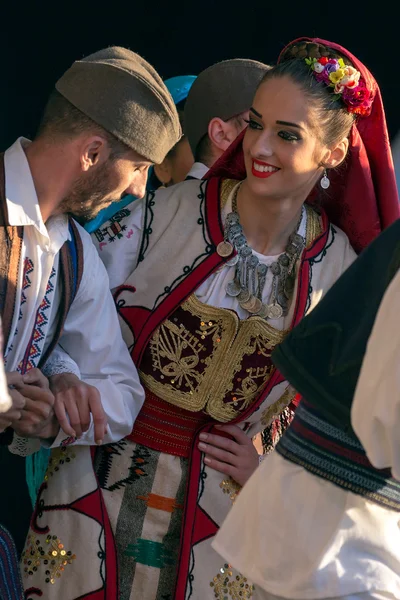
(152, 554)
(26, 284)
(113, 230)
(34, 349)
(135, 471)
(54, 557)
(26, 281)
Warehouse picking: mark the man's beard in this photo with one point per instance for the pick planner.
(89, 196)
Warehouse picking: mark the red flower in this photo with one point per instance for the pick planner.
(323, 60)
(358, 100)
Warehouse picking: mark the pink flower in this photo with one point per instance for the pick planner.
(359, 99)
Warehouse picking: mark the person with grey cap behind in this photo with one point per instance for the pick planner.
(108, 119)
(217, 109)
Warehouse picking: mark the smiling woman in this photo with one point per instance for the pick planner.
(210, 276)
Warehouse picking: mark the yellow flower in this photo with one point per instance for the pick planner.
(336, 76)
(341, 63)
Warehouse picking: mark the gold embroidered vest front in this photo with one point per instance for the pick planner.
(206, 359)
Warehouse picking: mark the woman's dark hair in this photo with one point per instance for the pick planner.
(331, 114)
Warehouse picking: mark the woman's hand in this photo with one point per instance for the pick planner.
(237, 458)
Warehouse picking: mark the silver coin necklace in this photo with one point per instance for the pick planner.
(250, 275)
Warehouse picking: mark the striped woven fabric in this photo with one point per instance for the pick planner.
(10, 581)
(333, 454)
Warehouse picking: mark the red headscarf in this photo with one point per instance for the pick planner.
(363, 197)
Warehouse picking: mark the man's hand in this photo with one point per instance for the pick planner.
(74, 402)
(37, 414)
(13, 414)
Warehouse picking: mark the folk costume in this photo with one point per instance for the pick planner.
(145, 517)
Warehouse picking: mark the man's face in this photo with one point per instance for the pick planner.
(105, 183)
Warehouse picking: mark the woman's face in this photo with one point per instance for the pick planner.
(281, 147)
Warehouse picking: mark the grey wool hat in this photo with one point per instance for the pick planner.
(124, 94)
(223, 90)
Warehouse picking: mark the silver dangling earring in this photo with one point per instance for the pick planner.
(325, 183)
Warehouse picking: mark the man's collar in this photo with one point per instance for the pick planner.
(21, 197)
(197, 171)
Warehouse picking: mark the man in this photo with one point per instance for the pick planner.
(109, 118)
(217, 109)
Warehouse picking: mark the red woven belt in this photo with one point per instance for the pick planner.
(165, 427)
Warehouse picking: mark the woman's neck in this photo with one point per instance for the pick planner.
(267, 223)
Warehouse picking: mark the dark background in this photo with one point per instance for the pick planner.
(39, 40)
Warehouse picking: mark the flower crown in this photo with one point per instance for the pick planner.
(346, 82)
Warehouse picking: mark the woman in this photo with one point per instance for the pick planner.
(209, 277)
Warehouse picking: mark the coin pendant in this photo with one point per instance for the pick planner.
(233, 289)
(224, 249)
(232, 261)
(274, 311)
(244, 296)
(256, 306)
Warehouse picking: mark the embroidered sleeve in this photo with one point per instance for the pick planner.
(118, 240)
(60, 362)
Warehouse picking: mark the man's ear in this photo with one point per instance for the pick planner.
(94, 150)
(221, 133)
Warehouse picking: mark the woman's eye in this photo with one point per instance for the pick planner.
(253, 124)
(288, 136)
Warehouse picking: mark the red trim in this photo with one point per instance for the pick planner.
(195, 278)
(166, 428)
